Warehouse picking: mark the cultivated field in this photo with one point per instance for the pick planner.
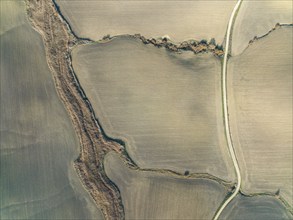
(260, 95)
(149, 195)
(256, 208)
(181, 20)
(37, 143)
(12, 15)
(165, 106)
(257, 18)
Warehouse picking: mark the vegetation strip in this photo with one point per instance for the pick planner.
(194, 46)
(93, 145)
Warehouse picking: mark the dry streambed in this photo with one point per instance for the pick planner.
(38, 143)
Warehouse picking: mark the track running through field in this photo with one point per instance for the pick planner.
(225, 107)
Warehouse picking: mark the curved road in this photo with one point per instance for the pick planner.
(226, 119)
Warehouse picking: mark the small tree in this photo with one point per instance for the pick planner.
(277, 192)
(106, 37)
(186, 173)
(212, 41)
(219, 47)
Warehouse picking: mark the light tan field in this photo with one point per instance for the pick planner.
(37, 144)
(257, 18)
(149, 195)
(165, 106)
(181, 20)
(11, 15)
(255, 208)
(260, 95)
